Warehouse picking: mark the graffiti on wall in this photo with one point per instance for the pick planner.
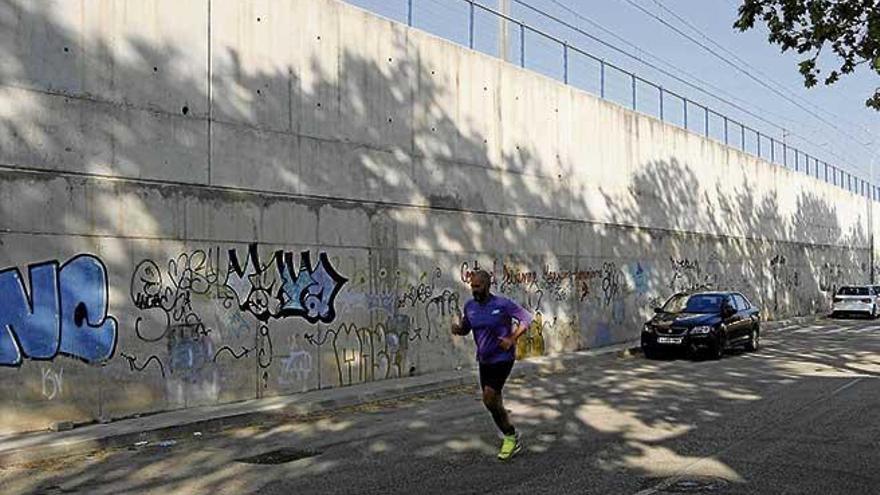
(547, 291)
(640, 279)
(277, 289)
(65, 312)
(296, 366)
(830, 277)
(785, 279)
(53, 382)
(365, 353)
(243, 293)
(531, 343)
(407, 309)
(135, 366)
(550, 283)
(687, 274)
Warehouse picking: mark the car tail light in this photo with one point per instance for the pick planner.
(866, 300)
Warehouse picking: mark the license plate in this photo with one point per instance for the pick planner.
(669, 340)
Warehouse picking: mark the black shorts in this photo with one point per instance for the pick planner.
(493, 375)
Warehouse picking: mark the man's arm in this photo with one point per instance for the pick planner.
(519, 329)
(460, 325)
(523, 318)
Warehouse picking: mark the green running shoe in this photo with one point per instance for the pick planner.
(511, 446)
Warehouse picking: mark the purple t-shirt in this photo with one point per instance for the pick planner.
(490, 322)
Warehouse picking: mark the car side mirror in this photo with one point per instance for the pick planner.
(658, 310)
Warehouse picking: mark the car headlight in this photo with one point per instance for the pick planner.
(701, 330)
(648, 328)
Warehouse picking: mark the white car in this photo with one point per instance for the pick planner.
(855, 299)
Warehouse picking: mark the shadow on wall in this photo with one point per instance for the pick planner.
(783, 277)
(371, 180)
(309, 234)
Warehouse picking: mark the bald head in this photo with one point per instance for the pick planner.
(480, 281)
(482, 275)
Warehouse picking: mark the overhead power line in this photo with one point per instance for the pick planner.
(752, 68)
(647, 64)
(665, 72)
(739, 68)
(654, 56)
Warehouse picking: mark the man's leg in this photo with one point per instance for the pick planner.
(492, 378)
(494, 402)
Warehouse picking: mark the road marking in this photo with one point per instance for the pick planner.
(681, 474)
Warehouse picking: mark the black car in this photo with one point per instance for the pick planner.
(703, 322)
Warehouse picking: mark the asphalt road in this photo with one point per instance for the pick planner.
(800, 416)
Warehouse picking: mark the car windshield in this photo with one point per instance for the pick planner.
(853, 291)
(675, 304)
(704, 303)
(700, 303)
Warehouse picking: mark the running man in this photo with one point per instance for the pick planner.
(490, 317)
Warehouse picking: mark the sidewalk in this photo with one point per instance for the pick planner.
(41, 446)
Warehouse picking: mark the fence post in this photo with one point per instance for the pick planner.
(409, 12)
(685, 100)
(707, 120)
(602, 79)
(470, 25)
(522, 45)
(633, 77)
(796, 159)
(725, 131)
(565, 61)
(758, 138)
(661, 103)
(742, 138)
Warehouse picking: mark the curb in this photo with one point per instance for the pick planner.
(796, 320)
(150, 436)
(162, 427)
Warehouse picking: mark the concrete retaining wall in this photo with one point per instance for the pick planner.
(209, 201)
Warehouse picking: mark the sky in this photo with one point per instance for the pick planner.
(760, 87)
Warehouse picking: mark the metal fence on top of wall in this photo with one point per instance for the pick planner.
(577, 67)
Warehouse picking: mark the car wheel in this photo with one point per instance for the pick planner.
(754, 340)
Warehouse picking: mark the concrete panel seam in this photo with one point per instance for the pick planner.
(392, 204)
(190, 115)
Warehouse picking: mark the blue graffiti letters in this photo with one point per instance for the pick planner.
(65, 313)
(312, 293)
(308, 292)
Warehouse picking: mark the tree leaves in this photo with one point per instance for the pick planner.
(849, 28)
